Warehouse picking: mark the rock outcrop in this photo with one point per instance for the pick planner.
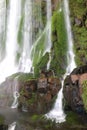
(73, 88)
(38, 95)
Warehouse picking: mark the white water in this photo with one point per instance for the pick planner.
(48, 31)
(7, 66)
(25, 60)
(70, 53)
(2, 25)
(57, 112)
(15, 93)
(12, 126)
(48, 26)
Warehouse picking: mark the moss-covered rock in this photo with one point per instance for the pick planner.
(41, 65)
(59, 40)
(38, 95)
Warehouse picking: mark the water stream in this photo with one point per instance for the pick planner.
(48, 31)
(57, 112)
(2, 27)
(25, 62)
(12, 126)
(8, 66)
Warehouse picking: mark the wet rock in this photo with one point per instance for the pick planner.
(37, 95)
(73, 88)
(78, 22)
(42, 85)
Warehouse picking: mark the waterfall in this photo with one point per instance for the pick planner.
(12, 126)
(57, 112)
(70, 53)
(2, 27)
(25, 60)
(7, 66)
(48, 31)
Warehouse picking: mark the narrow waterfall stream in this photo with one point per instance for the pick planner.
(70, 52)
(48, 32)
(57, 112)
(2, 27)
(12, 126)
(25, 60)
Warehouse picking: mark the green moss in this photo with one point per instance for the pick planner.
(59, 39)
(33, 99)
(22, 76)
(42, 64)
(84, 94)
(72, 119)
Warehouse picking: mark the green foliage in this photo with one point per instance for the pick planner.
(59, 39)
(78, 11)
(22, 76)
(84, 94)
(42, 64)
(78, 8)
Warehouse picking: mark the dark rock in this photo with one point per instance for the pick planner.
(42, 85)
(78, 22)
(73, 88)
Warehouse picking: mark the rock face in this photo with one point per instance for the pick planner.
(38, 95)
(73, 88)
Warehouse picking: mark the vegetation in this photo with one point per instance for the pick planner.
(22, 76)
(79, 18)
(41, 65)
(59, 39)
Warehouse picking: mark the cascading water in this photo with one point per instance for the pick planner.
(48, 31)
(70, 53)
(57, 112)
(7, 66)
(2, 27)
(25, 64)
(25, 60)
(12, 126)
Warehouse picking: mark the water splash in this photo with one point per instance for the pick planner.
(57, 114)
(12, 126)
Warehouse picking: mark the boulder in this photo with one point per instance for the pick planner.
(73, 88)
(37, 95)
